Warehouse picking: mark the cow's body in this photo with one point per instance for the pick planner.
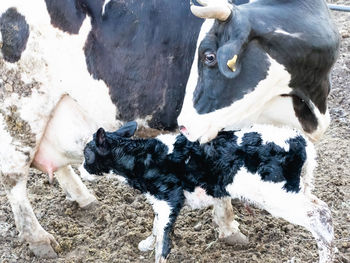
(50, 103)
(68, 66)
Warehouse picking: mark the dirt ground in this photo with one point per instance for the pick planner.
(111, 230)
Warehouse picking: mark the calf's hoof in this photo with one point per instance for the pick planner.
(147, 244)
(236, 238)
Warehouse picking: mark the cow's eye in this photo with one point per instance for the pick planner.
(210, 58)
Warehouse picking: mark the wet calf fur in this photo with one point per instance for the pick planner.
(266, 166)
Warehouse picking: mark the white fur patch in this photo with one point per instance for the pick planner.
(270, 134)
(56, 60)
(283, 32)
(168, 140)
(198, 199)
(147, 244)
(269, 196)
(159, 206)
(162, 211)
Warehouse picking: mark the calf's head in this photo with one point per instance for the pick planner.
(100, 152)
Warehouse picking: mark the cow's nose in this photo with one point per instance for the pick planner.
(183, 130)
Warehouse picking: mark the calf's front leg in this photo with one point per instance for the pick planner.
(149, 243)
(166, 213)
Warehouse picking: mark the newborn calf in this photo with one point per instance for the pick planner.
(267, 166)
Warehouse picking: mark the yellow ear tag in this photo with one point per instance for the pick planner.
(232, 63)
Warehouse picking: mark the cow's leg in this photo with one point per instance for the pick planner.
(228, 227)
(40, 242)
(74, 187)
(149, 243)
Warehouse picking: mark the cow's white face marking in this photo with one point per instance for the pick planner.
(168, 140)
(104, 6)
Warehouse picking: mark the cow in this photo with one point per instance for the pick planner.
(70, 66)
(268, 166)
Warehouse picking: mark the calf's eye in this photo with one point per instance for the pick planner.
(210, 58)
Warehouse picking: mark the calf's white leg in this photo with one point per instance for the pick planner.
(40, 242)
(74, 187)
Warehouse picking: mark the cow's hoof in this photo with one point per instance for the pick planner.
(88, 203)
(43, 251)
(236, 238)
(45, 248)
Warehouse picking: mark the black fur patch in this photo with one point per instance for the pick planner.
(142, 52)
(67, 15)
(15, 32)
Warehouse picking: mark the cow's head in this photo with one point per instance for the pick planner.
(229, 69)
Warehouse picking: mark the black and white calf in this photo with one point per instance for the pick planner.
(267, 166)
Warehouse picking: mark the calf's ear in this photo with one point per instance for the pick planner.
(127, 130)
(102, 146)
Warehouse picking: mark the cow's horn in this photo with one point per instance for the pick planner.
(218, 9)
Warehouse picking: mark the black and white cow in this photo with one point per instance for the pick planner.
(264, 62)
(264, 165)
(70, 66)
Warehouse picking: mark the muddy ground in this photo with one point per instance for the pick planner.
(111, 231)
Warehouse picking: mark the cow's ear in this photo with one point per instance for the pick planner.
(228, 57)
(127, 130)
(102, 146)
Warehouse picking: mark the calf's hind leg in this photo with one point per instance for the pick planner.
(228, 227)
(299, 208)
(313, 214)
